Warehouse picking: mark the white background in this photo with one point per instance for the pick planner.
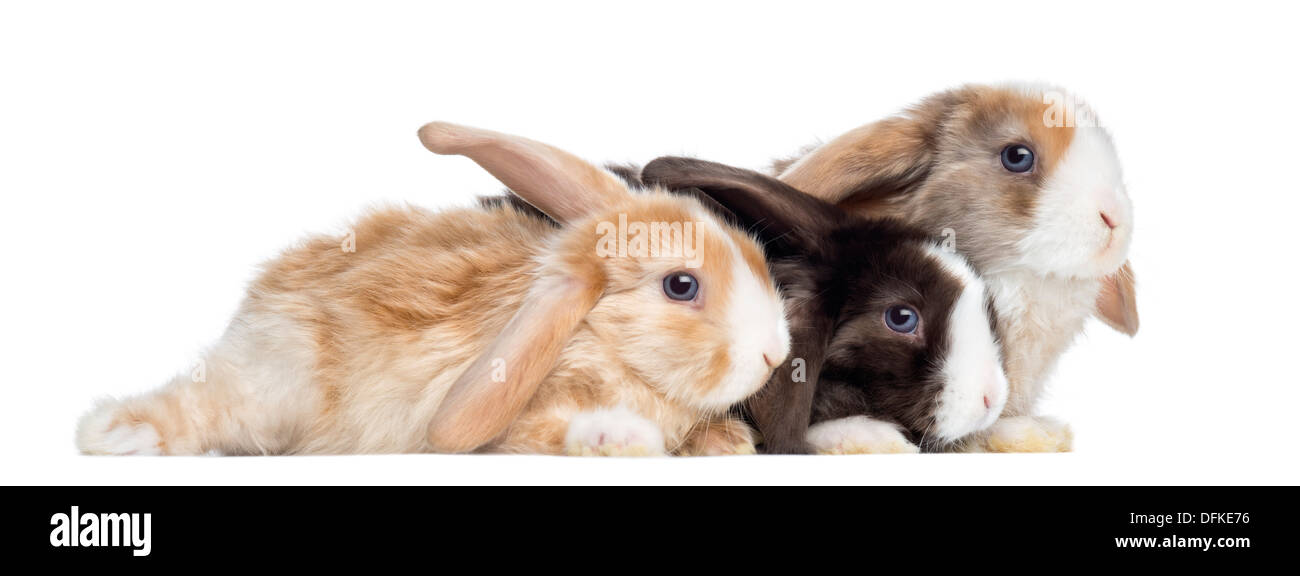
(152, 154)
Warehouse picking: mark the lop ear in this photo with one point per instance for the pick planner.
(874, 163)
(1117, 302)
(558, 183)
(775, 211)
(782, 409)
(492, 392)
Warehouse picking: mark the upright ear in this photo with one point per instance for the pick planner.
(493, 391)
(1117, 302)
(772, 209)
(873, 163)
(558, 183)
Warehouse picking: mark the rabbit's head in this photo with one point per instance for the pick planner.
(1021, 178)
(683, 301)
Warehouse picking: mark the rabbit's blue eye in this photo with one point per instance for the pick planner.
(1017, 158)
(902, 319)
(681, 286)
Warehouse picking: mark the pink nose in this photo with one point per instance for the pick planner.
(1110, 222)
(987, 404)
(770, 359)
(775, 351)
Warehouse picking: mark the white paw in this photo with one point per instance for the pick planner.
(613, 432)
(859, 435)
(1028, 434)
(105, 430)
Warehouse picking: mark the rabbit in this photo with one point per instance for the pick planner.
(1027, 185)
(893, 347)
(484, 330)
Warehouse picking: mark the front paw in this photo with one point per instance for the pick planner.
(613, 432)
(1028, 434)
(726, 437)
(859, 435)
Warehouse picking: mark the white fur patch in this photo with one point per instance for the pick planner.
(613, 432)
(972, 370)
(1044, 310)
(1069, 237)
(859, 435)
(756, 317)
(98, 433)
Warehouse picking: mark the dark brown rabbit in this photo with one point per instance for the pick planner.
(892, 336)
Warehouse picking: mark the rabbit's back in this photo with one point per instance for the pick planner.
(375, 325)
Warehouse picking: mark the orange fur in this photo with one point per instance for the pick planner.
(1117, 302)
(390, 347)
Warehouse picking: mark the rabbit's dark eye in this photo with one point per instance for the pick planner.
(1017, 158)
(681, 286)
(902, 319)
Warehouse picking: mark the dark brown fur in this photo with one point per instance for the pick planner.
(839, 273)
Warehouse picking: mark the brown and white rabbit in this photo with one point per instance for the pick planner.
(486, 330)
(893, 347)
(1029, 188)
